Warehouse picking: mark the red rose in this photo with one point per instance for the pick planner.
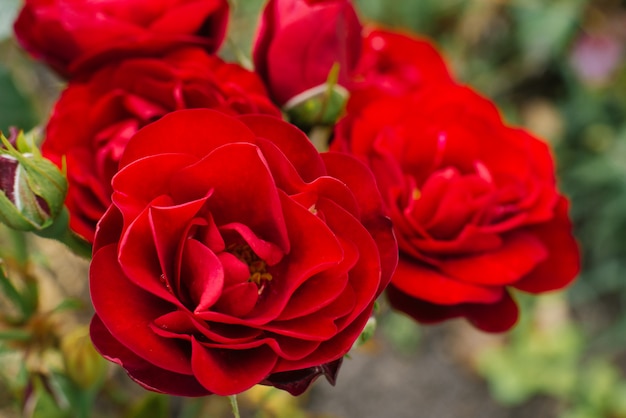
(71, 35)
(95, 117)
(300, 40)
(234, 254)
(394, 63)
(474, 205)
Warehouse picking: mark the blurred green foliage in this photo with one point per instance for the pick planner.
(555, 67)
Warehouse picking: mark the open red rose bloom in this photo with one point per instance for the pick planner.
(473, 202)
(234, 254)
(77, 36)
(118, 99)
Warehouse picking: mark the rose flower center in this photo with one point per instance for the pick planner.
(257, 267)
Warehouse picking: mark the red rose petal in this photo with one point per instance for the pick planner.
(169, 225)
(186, 126)
(229, 372)
(297, 382)
(127, 311)
(202, 273)
(109, 228)
(187, 17)
(499, 316)
(495, 317)
(243, 190)
(138, 257)
(314, 248)
(428, 284)
(236, 301)
(146, 374)
(365, 276)
(291, 142)
(319, 291)
(267, 251)
(519, 254)
(563, 263)
(184, 325)
(235, 270)
(337, 346)
(359, 180)
(140, 182)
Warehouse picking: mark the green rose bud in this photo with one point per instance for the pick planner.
(32, 188)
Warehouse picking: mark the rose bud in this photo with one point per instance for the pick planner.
(78, 35)
(32, 189)
(299, 42)
(119, 99)
(474, 204)
(234, 254)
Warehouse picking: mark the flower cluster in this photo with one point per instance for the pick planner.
(227, 250)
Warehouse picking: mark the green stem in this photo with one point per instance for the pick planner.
(19, 247)
(60, 231)
(234, 405)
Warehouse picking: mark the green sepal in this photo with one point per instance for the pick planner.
(39, 179)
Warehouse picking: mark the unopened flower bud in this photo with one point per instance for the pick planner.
(299, 41)
(32, 188)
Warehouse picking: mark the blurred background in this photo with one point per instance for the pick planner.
(555, 67)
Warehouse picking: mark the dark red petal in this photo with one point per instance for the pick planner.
(490, 317)
(229, 372)
(127, 312)
(146, 374)
(418, 309)
(495, 317)
(297, 381)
